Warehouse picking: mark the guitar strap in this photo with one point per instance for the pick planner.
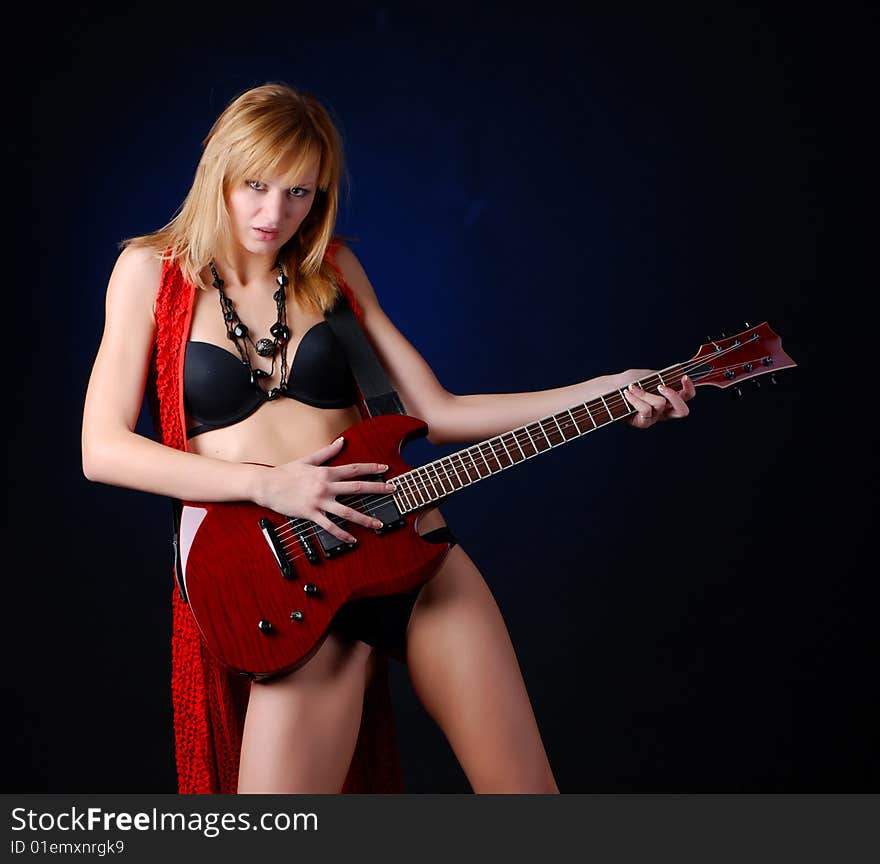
(380, 397)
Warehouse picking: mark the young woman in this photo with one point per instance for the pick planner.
(218, 317)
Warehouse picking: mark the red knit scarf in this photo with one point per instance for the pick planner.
(209, 701)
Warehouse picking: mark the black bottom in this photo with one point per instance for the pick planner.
(381, 621)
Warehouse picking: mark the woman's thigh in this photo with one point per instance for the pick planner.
(300, 730)
(464, 670)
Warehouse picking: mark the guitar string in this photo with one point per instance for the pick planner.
(520, 437)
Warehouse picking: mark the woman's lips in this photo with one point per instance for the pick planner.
(266, 235)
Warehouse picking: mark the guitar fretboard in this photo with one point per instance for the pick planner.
(435, 480)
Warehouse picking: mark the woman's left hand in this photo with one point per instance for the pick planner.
(651, 408)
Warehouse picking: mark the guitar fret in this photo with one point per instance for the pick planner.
(461, 483)
(501, 439)
(443, 477)
(437, 467)
(534, 446)
(427, 474)
(410, 491)
(474, 462)
(544, 433)
(493, 444)
(431, 477)
(540, 430)
(417, 489)
(486, 465)
(607, 409)
(575, 423)
(516, 441)
(497, 450)
(467, 468)
(590, 415)
(494, 458)
(400, 493)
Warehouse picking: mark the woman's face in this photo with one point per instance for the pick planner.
(265, 212)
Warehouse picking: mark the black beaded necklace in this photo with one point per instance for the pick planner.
(238, 332)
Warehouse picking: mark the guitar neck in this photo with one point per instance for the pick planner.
(436, 480)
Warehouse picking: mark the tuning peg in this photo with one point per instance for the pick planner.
(756, 384)
(737, 392)
(747, 325)
(773, 378)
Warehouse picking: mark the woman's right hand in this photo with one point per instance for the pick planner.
(307, 488)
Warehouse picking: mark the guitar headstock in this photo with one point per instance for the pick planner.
(734, 359)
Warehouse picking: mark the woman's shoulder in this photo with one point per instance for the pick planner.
(352, 272)
(137, 275)
(141, 264)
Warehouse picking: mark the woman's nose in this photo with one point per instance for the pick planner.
(276, 206)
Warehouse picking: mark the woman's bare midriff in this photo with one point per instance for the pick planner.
(277, 432)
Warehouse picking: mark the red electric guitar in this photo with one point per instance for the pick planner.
(264, 587)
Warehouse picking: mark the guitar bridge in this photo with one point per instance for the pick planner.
(277, 548)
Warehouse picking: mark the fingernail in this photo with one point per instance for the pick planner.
(338, 440)
(389, 486)
(661, 387)
(377, 523)
(383, 467)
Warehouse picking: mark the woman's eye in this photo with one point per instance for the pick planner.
(294, 192)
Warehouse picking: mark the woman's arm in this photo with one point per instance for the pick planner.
(452, 418)
(111, 451)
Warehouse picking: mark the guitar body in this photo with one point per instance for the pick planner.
(264, 620)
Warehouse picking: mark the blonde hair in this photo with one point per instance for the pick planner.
(259, 132)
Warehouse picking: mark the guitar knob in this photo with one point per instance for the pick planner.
(310, 588)
(265, 626)
(296, 615)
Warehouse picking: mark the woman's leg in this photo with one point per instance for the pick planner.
(300, 731)
(464, 670)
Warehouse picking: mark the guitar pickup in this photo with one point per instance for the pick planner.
(383, 508)
(277, 548)
(303, 534)
(331, 545)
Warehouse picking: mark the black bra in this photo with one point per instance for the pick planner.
(217, 389)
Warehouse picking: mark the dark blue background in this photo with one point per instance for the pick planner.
(538, 197)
